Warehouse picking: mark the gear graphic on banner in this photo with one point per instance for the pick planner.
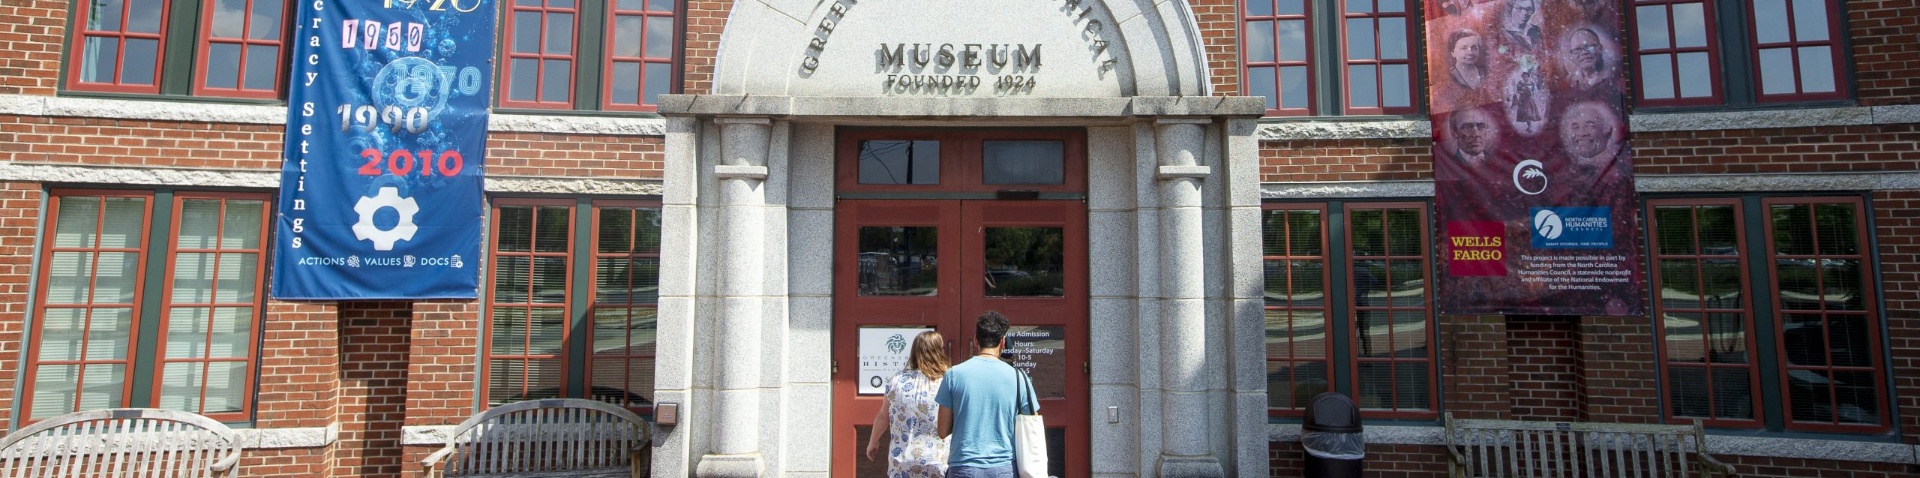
(388, 197)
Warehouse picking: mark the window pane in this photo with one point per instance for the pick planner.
(659, 80)
(526, 32)
(1816, 69)
(627, 35)
(1792, 229)
(556, 80)
(67, 278)
(1362, 87)
(1837, 226)
(1652, 20)
(1392, 6)
(1260, 83)
(511, 276)
(525, 79)
(625, 83)
(237, 278)
(548, 328)
(1675, 229)
(102, 56)
(1776, 71)
(1696, 75)
(53, 390)
(265, 24)
(550, 280)
(899, 261)
(106, 15)
(1025, 261)
(199, 224)
(125, 225)
(243, 229)
(516, 380)
(1259, 8)
(509, 330)
(143, 16)
(899, 162)
(1396, 86)
(1023, 162)
(1656, 76)
(1293, 40)
(615, 231)
(559, 34)
(1260, 41)
(261, 63)
(660, 5)
(137, 67)
(1770, 21)
(1393, 38)
(554, 229)
(230, 18)
(192, 278)
(1690, 25)
(515, 233)
(1360, 39)
(115, 277)
(1293, 87)
(659, 37)
(1290, 7)
(226, 387)
(1359, 6)
(78, 223)
(1810, 20)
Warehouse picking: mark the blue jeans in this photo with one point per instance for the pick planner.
(1005, 471)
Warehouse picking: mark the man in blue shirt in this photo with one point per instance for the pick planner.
(977, 406)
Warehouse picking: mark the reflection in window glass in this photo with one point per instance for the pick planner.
(625, 303)
(1296, 307)
(899, 162)
(899, 261)
(1023, 162)
(1392, 322)
(1025, 261)
(1702, 316)
(528, 315)
(1827, 329)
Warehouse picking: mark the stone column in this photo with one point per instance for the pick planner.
(742, 175)
(1184, 431)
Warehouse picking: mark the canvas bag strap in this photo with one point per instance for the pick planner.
(1023, 392)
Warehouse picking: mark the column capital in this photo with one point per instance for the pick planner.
(1165, 120)
(743, 120)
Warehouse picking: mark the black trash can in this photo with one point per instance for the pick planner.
(1332, 437)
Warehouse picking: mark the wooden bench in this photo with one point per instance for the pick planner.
(563, 437)
(121, 442)
(1516, 448)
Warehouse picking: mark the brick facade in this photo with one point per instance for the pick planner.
(370, 369)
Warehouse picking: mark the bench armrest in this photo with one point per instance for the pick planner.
(1710, 466)
(225, 465)
(432, 462)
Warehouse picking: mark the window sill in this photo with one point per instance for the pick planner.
(175, 108)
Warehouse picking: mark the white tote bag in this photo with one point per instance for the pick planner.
(1029, 433)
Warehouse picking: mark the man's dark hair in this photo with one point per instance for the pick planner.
(990, 329)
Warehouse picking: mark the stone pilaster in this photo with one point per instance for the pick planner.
(1180, 143)
(742, 175)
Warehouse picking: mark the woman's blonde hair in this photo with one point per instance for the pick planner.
(929, 355)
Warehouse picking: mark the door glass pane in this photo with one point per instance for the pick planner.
(899, 261)
(899, 162)
(1041, 352)
(1025, 261)
(1023, 162)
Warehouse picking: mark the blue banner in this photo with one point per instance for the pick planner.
(381, 194)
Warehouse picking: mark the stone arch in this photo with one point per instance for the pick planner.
(822, 47)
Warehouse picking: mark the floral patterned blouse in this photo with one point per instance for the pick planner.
(915, 449)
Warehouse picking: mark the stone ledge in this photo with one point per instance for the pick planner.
(901, 106)
(1645, 184)
(1335, 129)
(1807, 448)
(163, 110)
(76, 174)
(1181, 172)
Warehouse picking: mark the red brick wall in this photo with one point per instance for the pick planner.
(300, 350)
(705, 20)
(1545, 377)
(19, 224)
(1885, 54)
(1345, 160)
(1896, 226)
(1778, 150)
(374, 354)
(31, 33)
(1473, 366)
(1288, 460)
(440, 376)
(1618, 367)
(1219, 22)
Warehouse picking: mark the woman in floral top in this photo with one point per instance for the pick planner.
(916, 450)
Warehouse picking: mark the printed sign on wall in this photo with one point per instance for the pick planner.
(883, 354)
(380, 192)
(1533, 175)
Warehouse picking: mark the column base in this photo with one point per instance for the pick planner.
(1191, 467)
(729, 466)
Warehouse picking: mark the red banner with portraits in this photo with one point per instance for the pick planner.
(1533, 175)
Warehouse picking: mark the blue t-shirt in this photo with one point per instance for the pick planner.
(981, 392)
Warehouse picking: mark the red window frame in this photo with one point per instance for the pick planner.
(1832, 43)
(1704, 309)
(1715, 79)
(630, 358)
(162, 357)
(245, 41)
(540, 57)
(1247, 64)
(672, 60)
(1869, 313)
(1425, 308)
(77, 60)
(32, 363)
(1290, 357)
(1375, 18)
(527, 358)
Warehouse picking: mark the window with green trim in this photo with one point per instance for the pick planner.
(1768, 316)
(147, 299)
(572, 301)
(616, 55)
(1347, 307)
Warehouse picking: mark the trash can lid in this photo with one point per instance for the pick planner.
(1332, 412)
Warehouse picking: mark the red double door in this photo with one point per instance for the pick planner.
(905, 266)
